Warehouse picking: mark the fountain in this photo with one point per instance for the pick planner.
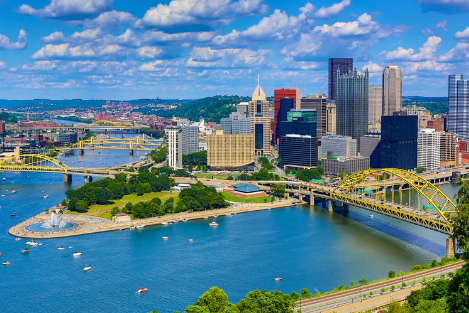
(53, 222)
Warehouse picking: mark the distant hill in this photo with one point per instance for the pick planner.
(436, 105)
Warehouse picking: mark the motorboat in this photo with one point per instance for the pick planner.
(206, 217)
(61, 248)
(46, 196)
(32, 243)
(214, 224)
(277, 278)
(372, 216)
(40, 244)
(142, 290)
(25, 251)
(228, 214)
(185, 220)
(190, 240)
(1, 253)
(87, 268)
(121, 228)
(132, 227)
(77, 254)
(13, 191)
(43, 191)
(4, 179)
(17, 239)
(216, 215)
(164, 223)
(6, 263)
(165, 238)
(140, 226)
(70, 247)
(3, 195)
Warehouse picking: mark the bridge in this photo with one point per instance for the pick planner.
(38, 163)
(138, 143)
(102, 124)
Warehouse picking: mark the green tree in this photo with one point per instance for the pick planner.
(352, 283)
(169, 205)
(342, 175)
(391, 274)
(82, 206)
(305, 294)
(115, 210)
(139, 190)
(420, 169)
(362, 281)
(394, 307)
(458, 291)
(278, 190)
(213, 301)
(264, 301)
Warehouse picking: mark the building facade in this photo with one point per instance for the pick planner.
(298, 151)
(370, 146)
(280, 94)
(236, 124)
(190, 139)
(342, 65)
(174, 146)
(392, 89)
(375, 104)
(67, 137)
(333, 145)
(347, 165)
(235, 152)
(260, 121)
(458, 113)
(317, 102)
(243, 109)
(331, 116)
(399, 141)
(428, 148)
(352, 104)
(449, 150)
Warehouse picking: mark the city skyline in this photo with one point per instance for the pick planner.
(122, 49)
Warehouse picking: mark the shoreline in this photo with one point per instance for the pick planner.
(91, 225)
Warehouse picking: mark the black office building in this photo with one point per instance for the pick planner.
(344, 65)
(297, 126)
(399, 141)
(297, 151)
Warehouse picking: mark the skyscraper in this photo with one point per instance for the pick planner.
(174, 146)
(279, 94)
(458, 114)
(344, 65)
(392, 89)
(352, 104)
(375, 104)
(260, 121)
(428, 148)
(236, 124)
(317, 102)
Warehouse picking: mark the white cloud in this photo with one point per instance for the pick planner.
(332, 11)
(67, 9)
(290, 63)
(462, 35)
(308, 45)
(19, 45)
(54, 37)
(40, 66)
(210, 13)
(442, 24)
(149, 52)
(458, 53)
(445, 6)
(108, 20)
(159, 65)
(372, 67)
(426, 51)
(430, 66)
(362, 26)
(427, 32)
(206, 57)
(3, 66)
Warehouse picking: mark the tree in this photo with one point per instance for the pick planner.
(278, 190)
(352, 283)
(391, 274)
(394, 307)
(362, 281)
(213, 301)
(342, 175)
(305, 294)
(461, 220)
(139, 190)
(82, 206)
(458, 291)
(420, 169)
(264, 301)
(115, 210)
(169, 205)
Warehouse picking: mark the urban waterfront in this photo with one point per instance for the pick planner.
(308, 248)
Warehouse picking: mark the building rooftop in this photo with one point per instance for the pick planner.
(246, 188)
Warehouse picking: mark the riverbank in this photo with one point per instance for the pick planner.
(85, 225)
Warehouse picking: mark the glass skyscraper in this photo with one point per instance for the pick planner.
(352, 104)
(344, 65)
(458, 114)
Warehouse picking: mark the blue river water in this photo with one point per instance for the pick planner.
(307, 247)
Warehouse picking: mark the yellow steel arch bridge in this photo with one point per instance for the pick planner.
(138, 143)
(103, 123)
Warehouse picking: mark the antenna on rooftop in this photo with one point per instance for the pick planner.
(257, 79)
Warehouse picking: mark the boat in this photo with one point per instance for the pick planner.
(142, 290)
(43, 191)
(24, 251)
(77, 254)
(13, 214)
(205, 217)
(190, 240)
(132, 227)
(185, 220)
(6, 263)
(46, 196)
(214, 224)
(32, 243)
(121, 228)
(40, 244)
(1, 253)
(61, 248)
(13, 191)
(165, 238)
(70, 247)
(228, 214)
(140, 226)
(277, 278)
(3, 195)
(17, 239)
(216, 215)
(4, 179)
(87, 268)
(164, 223)
(372, 216)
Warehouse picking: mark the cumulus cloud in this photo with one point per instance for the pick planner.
(110, 20)
(442, 24)
(445, 6)
(22, 42)
(372, 67)
(3, 66)
(332, 11)
(290, 63)
(40, 66)
(456, 54)
(66, 9)
(462, 35)
(207, 13)
(225, 58)
(87, 50)
(426, 51)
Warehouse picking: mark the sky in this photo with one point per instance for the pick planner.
(135, 49)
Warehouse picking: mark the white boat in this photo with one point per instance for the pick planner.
(4, 179)
(214, 224)
(164, 223)
(3, 195)
(13, 191)
(70, 247)
(6, 263)
(372, 216)
(87, 268)
(277, 278)
(132, 227)
(228, 214)
(43, 191)
(165, 238)
(216, 215)
(77, 254)
(46, 196)
(190, 240)
(142, 290)
(61, 248)
(17, 239)
(31, 243)
(185, 220)
(205, 217)
(140, 226)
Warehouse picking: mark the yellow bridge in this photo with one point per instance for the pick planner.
(138, 143)
(102, 124)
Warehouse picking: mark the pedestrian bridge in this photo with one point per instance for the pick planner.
(138, 143)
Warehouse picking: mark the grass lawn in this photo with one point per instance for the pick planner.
(229, 197)
(104, 211)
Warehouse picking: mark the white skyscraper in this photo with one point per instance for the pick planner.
(458, 113)
(428, 148)
(174, 146)
(392, 89)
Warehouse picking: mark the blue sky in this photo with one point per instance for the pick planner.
(130, 49)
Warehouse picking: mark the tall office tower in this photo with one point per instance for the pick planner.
(449, 150)
(190, 139)
(335, 146)
(317, 102)
(2, 127)
(286, 104)
(458, 114)
(243, 109)
(234, 152)
(298, 151)
(428, 148)
(299, 96)
(236, 124)
(392, 89)
(375, 104)
(174, 146)
(352, 104)
(260, 121)
(331, 117)
(279, 94)
(343, 65)
(399, 141)
(300, 122)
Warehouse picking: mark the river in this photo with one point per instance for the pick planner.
(307, 247)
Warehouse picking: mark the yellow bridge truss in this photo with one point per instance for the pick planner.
(432, 211)
(142, 142)
(33, 163)
(103, 123)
